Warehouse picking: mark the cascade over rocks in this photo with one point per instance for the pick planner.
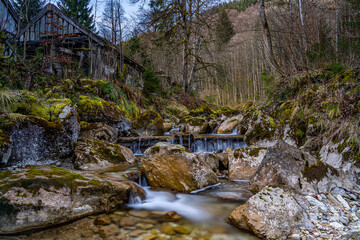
(35, 141)
(243, 162)
(94, 154)
(40, 196)
(175, 167)
(5, 147)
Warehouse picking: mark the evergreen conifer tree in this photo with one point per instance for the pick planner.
(80, 11)
(27, 9)
(224, 29)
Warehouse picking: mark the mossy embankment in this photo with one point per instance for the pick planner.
(313, 109)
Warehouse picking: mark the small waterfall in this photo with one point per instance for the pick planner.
(216, 144)
(138, 149)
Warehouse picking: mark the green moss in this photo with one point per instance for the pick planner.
(148, 118)
(254, 152)
(318, 171)
(204, 110)
(97, 109)
(30, 104)
(95, 182)
(184, 149)
(44, 177)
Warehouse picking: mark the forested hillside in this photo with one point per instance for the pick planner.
(240, 60)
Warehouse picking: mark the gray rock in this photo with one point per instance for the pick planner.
(271, 214)
(35, 141)
(343, 202)
(317, 203)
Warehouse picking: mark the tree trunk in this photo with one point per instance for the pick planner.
(267, 37)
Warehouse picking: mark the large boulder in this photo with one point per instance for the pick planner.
(94, 154)
(149, 123)
(41, 196)
(175, 167)
(243, 162)
(288, 167)
(35, 141)
(196, 125)
(270, 214)
(229, 124)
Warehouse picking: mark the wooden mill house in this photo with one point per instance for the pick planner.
(68, 46)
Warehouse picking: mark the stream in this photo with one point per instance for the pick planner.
(164, 214)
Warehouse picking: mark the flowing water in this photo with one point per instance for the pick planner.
(164, 215)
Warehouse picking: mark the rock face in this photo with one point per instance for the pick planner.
(287, 167)
(174, 167)
(229, 124)
(94, 154)
(260, 214)
(36, 141)
(149, 123)
(196, 125)
(43, 195)
(243, 162)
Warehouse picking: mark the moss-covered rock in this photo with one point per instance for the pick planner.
(259, 127)
(99, 110)
(36, 141)
(40, 196)
(94, 154)
(203, 111)
(174, 167)
(30, 104)
(149, 123)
